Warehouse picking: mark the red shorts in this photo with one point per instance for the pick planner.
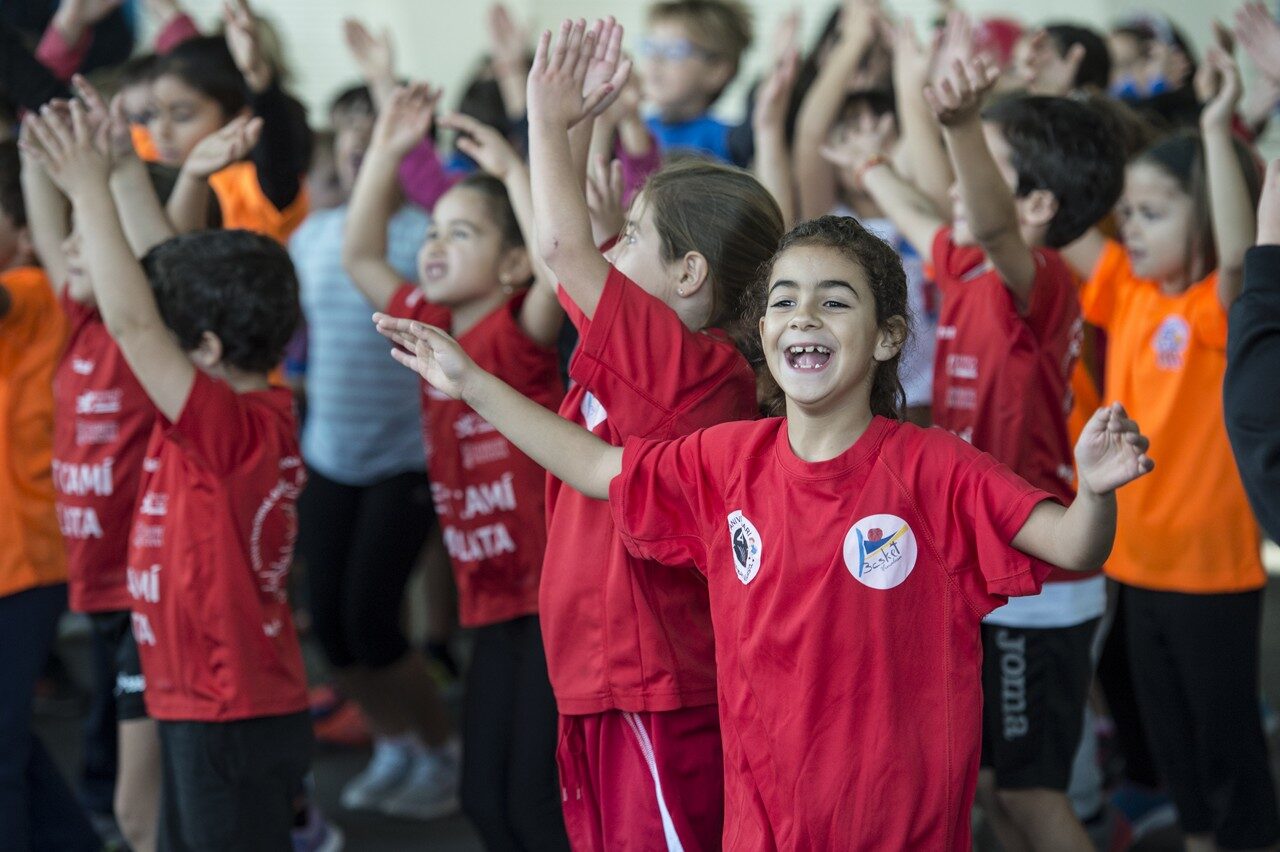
(639, 782)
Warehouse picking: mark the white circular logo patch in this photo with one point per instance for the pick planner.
(880, 551)
(744, 540)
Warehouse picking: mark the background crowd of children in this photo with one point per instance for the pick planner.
(891, 462)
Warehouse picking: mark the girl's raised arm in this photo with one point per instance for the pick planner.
(556, 103)
(1111, 452)
(1230, 207)
(567, 451)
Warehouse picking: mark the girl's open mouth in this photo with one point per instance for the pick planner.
(808, 357)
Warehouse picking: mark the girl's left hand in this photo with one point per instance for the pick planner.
(1219, 78)
(604, 198)
(1111, 451)
(65, 149)
(223, 147)
(429, 352)
(556, 80)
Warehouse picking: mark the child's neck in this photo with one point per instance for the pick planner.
(817, 436)
(241, 381)
(1175, 285)
(466, 315)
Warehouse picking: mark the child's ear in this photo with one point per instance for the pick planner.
(515, 268)
(890, 337)
(208, 353)
(693, 273)
(1038, 207)
(719, 73)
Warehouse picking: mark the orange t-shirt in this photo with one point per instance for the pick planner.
(1186, 526)
(31, 337)
(244, 205)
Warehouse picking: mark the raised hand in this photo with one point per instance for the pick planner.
(65, 149)
(774, 95)
(786, 35)
(911, 60)
(242, 41)
(608, 67)
(1259, 34)
(957, 96)
(489, 148)
(223, 147)
(955, 43)
(405, 119)
(557, 78)
(109, 125)
(508, 40)
(1269, 207)
(75, 16)
(374, 56)
(1219, 79)
(1111, 450)
(429, 352)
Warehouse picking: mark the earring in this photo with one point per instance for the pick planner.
(679, 292)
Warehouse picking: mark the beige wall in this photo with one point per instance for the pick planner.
(439, 40)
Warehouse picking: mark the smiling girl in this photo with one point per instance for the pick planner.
(849, 556)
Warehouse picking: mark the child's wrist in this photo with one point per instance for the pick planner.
(862, 169)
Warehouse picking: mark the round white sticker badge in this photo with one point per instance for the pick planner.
(744, 540)
(880, 551)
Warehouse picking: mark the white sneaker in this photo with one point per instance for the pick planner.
(431, 789)
(389, 768)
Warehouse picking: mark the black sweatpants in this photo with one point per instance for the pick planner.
(510, 784)
(360, 544)
(1195, 672)
(232, 785)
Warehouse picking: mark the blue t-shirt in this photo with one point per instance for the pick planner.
(703, 134)
(364, 421)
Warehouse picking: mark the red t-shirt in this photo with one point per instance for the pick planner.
(487, 494)
(1002, 380)
(209, 558)
(846, 597)
(103, 419)
(619, 636)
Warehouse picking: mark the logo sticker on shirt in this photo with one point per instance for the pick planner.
(1170, 342)
(593, 413)
(880, 551)
(744, 538)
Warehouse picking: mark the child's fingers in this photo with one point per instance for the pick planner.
(621, 75)
(561, 49)
(595, 101)
(613, 48)
(540, 53)
(79, 122)
(59, 130)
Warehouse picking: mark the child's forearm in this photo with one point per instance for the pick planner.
(141, 216)
(1234, 221)
(564, 224)
(568, 452)
(1077, 538)
(923, 147)
(120, 288)
(47, 220)
(814, 176)
(188, 205)
(773, 168)
(906, 206)
(364, 240)
(541, 314)
(993, 218)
